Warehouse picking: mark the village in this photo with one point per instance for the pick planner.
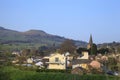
(82, 62)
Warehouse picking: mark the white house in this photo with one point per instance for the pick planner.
(30, 60)
(39, 64)
(16, 53)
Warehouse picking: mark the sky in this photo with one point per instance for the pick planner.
(74, 19)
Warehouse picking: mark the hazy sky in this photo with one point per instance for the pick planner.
(75, 19)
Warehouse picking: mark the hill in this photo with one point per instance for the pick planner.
(108, 45)
(8, 36)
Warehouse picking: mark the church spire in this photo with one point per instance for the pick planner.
(90, 42)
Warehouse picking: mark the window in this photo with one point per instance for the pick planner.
(56, 59)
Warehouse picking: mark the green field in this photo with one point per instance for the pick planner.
(11, 73)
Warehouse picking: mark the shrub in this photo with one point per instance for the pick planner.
(4, 75)
(53, 70)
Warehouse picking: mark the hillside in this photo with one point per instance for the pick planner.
(8, 36)
(108, 45)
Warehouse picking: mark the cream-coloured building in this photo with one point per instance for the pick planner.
(81, 61)
(58, 61)
(30, 60)
(85, 55)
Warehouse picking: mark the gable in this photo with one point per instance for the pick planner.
(56, 55)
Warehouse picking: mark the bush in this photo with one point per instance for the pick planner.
(4, 75)
(26, 68)
(17, 74)
(53, 70)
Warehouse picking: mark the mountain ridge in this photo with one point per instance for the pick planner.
(33, 36)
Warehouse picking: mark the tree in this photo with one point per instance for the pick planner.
(4, 75)
(112, 49)
(93, 49)
(33, 52)
(112, 64)
(26, 52)
(118, 49)
(67, 46)
(103, 50)
(43, 50)
(79, 50)
(21, 59)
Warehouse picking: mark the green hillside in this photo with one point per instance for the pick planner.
(32, 37)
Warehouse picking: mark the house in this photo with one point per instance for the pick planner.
(30, 60)
(16, 53)
(83, 63)
(39, 64)
(45, 61)
(58, 61)
(85, 55)
(15, 61)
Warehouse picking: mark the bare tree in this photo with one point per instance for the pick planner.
(67, 46)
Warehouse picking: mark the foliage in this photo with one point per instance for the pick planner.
(93, 49)
(112, 64)
(103, 50)
(16, 74)
(53, 70)
(67, 46)
(118, 49)
(4, 75)
(25, 52)
(26, 68)
(79, 71)
(112, 61)
(44, 50)
(79, 50)
(21, 59)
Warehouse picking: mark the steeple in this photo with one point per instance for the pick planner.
(90, 42)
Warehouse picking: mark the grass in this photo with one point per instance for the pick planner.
(16, 74)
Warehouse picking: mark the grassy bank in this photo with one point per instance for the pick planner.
(16, 74)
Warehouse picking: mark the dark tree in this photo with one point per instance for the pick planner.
(67, 46)
(103, 50)
(93, 49)
(79, 50)
(43, 50)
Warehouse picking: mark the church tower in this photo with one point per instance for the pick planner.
(90, 42)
